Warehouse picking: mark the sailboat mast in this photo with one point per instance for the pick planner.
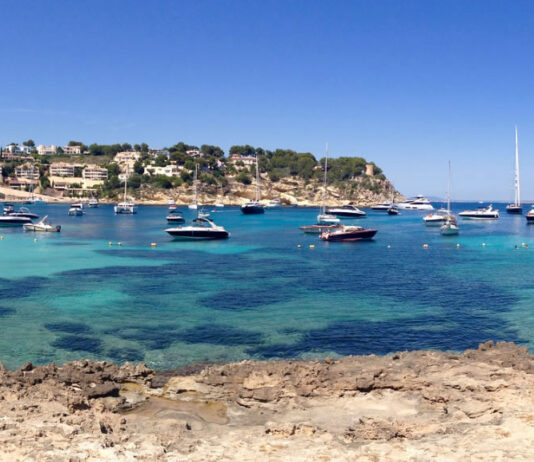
(195, 184)
(323, 208)
(449, 191)
(126, 183)
(257, 181)
(517, 189)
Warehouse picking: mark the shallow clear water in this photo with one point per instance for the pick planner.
(257, 295)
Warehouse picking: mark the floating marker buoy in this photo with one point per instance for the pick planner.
(119, 243)
(35, 240)
(299, 246)
(483, 244)
(457, 245)
(154, 244)
(312, 246)
(389, 247)
(523, 244)
(110, 243)
(425, 246)
(2, 238)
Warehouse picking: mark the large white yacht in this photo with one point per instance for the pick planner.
(417, 203)
(481, 213)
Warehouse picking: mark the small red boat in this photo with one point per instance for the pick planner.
(348, 234)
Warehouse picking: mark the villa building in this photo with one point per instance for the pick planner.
(27, 171)
(72, 150)
(47, 150)
(61, 169)
(94, 172)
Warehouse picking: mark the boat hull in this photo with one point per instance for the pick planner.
(530, 218)
(513, 209)
(197, 235)
(14, 221)
(345, 214)
(252, 209)
(478, 217)
(349, 236)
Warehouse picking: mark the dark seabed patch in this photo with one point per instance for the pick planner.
(153, 338)
(21, 287)
(69, 327)
(4, 310)
(217, 334)
(121, 355)
(242, 298)
(78, 343)
(359, 337)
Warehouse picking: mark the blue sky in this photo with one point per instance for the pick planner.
(407, 84)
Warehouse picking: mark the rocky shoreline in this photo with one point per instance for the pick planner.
(413, 406)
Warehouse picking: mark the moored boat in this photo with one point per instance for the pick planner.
(175, 217)
(9, 220)
(416, 203)
(393, 210)
(481, 213)
(22, 212)
(450, 226)
(42, 226)
(515, 207)
(347, 211)
(76, 210)
(254, 207)
(125, 207)
(201, 229)
(434, 219)
(383, 206)
(349, 234)
(530, 215)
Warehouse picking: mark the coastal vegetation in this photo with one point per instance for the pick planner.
(171, 169)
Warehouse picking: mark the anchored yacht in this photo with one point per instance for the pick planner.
(481, 213)
(417, 203)
(347, 211)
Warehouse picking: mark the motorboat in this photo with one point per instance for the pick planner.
(254, 207)
(383, 206)
(93, 203)
(22, 212)
(274, 203)
(42, 226)
(347, 211)
(175, 217)
(203, 214)
(10, 220)
(76, 210)
(319, 228)
(393, 210)
(125, 207)
(201, 229)
(450, 226)
(481, 213)
(516, 208)
(219, 205)
(530, 215)
(416, 203)
(435, 219)
(348, 234)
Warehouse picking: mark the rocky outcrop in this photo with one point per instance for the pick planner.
(421, 405)
(364, 191)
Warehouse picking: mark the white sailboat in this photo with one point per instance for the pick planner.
(254, 207)
(326, 218)
(194, 205)
(516, 206)
(125, 207)
(450, 227)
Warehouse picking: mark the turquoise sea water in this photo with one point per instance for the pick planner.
(257, 295)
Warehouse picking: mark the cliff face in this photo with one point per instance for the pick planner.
(420, 405)
(364, 191)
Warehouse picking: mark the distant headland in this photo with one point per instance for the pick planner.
(62, 173)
